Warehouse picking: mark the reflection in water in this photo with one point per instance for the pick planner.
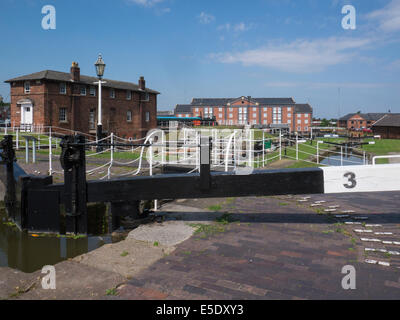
(350, 160)
(20, 250)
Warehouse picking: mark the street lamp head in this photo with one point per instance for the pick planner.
(100, 66)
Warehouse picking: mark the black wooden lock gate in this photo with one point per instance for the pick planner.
(34, 202)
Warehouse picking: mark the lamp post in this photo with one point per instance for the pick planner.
(100, 66)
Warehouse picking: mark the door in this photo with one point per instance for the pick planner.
(26, 117)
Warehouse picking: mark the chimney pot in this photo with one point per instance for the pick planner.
(75, 72)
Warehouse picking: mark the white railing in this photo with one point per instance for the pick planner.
(230, 149)
(384, 157)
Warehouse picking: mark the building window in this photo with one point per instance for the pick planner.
(254, 109)
(289, 115)
(265, 109)
(62, 116)
(92, 91)
(220, 115)
(306, 121)
(196, 109)
(92, 115)
(230, 115)
(147, 116)
(27, 87)
(230, 109)
(265, 115)
(289, 109)
(298, 128)
(220, 109)
(254, 115)
(112, 93)
(83, 91)
(128, 95)
(129, 116)
(63, 88)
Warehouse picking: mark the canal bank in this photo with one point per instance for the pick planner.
(94, 275)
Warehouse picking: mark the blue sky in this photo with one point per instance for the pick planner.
(188, 48)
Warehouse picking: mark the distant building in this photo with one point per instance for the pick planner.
(388, 127)
(250, 111)
(70, 101)
(357, 121)
(168, 113)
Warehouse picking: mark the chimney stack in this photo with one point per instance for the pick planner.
(75, 72)
(142, 84)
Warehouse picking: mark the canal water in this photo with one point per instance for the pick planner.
(30, 252)
(350, 160)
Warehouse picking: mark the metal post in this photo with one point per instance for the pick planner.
(26, 150)
(197, 151)
(33, 150)
(111, 157)
(205, 176)
(163, 149)
(318, 152)
(235, 154)
(17, 140)
(263, 149)
(280, 144)
(251, 154)
(151, 156)
(341, 155)
(297, 146)
(99, 132)
(184, 144)
(50, 154)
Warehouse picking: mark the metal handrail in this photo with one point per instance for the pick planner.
(384, 157)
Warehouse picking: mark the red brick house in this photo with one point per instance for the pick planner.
(253, 111)
(358, 121)
(70, 101)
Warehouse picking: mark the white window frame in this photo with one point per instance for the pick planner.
(112, 93)
(63, 88)
(92, 91)
(128, 95)
(65, 118)
(147, 116)
(27, 87)
(129, 116)
(83, 90)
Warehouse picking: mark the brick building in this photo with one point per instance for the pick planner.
(252, 111)
(388, 127)
(70, 101)
(354, 121)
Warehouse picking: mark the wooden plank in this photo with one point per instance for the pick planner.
(266, 182)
